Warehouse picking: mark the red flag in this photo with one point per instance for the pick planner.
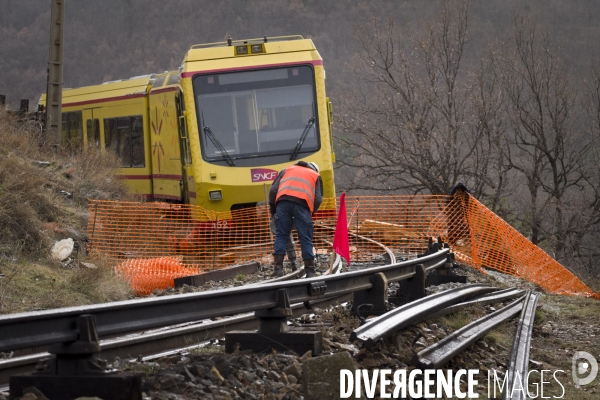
(340, 240)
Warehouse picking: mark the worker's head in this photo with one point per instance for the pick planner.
(314, 166)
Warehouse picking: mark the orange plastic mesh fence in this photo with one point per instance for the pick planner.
(199, 238)
(148, 274)
(479, 238)
(158, 242)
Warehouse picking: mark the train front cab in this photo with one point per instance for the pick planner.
(248, 104)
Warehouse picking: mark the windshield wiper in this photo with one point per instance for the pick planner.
(218, 145)
(309, 124)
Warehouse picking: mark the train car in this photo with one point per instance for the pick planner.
(216, 132)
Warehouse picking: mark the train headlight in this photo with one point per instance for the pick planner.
(241, 50)
(257, 48)
(215, 195)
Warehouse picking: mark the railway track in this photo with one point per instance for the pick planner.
(162, 340)
(171, 338)
(176, 329)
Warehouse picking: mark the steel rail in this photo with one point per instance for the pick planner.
(300, 272)
(167, 338)
(495, 297)
(519, 356)
(386, 249)
(413, 312)
(292, 275)
(441, 352)
(161, 340)
(336, 268)
(31, 329)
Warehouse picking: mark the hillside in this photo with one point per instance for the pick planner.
(116, 39)
(43, 199)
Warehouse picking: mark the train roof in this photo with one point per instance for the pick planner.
(201, 52)
(107, 90)
(272, 45)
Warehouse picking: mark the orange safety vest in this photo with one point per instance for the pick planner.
(299, 182)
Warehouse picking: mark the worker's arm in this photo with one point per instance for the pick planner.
(273, 192)
(318, 195)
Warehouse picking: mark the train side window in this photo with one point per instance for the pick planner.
(125, 137)
(137, 141)
(97, 132)
(158, 82)
(64, 129)
(173, 79)
(72, 129)
(93, 132)
(123, 145)
(110, 126)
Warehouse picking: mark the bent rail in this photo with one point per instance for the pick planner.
(438, 354)
(494, 297)
(519, 356)
(413, 312)
(390, 254)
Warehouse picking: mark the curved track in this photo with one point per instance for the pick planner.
(389, 254)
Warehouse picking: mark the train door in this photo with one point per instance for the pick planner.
(187, 187)
(91, 123)
(167, 177)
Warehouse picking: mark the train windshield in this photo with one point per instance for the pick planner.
(257, 113)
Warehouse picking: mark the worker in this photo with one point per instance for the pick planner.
(295, 197)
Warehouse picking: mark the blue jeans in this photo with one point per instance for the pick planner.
(287, 213)
(290, 246)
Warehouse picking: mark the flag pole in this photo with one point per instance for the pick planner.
(333, 253)
(332, 260)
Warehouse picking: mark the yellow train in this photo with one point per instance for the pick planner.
(216, 132)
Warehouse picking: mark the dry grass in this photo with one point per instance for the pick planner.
(463, 317)
(29, 286)
(99, 285)
(89, 175)
(24, 202)
(40, 187)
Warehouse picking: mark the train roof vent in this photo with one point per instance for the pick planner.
(265, 39)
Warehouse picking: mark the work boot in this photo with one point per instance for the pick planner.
(292, 257)
(278, 265)
(309, 266)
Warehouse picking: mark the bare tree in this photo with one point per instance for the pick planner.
(586, 252)
(419, 123)
(547, 145)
